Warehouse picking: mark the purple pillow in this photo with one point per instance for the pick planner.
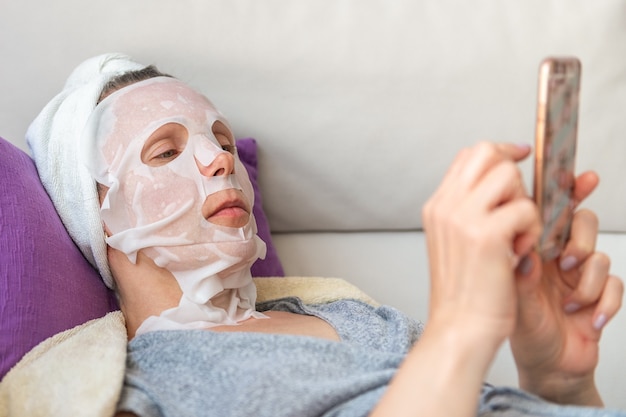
(47, 285)
(270, 266)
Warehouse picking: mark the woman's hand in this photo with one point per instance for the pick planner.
(562, 307)
(478, 224)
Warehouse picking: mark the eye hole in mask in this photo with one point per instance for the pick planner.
(224, 137)
(165, 144)
(169, 140)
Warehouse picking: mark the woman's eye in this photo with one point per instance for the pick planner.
(229, 148)
(169, 154)
(165, 144)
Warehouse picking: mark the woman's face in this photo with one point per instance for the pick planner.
(230, 209)
(168, 161)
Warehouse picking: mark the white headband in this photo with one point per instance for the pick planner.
(53, 140)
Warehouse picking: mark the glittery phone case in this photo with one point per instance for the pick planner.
(555, 150)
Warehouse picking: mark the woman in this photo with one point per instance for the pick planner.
(174, 203)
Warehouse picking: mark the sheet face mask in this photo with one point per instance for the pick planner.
(158, 209)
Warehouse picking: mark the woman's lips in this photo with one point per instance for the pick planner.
(226, 208)
(229, 210)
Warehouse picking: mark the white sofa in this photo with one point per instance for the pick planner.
(358, 106)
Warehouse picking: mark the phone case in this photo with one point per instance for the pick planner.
(555, 150)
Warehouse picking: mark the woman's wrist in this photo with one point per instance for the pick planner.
(461, 344)
(562, 389)
(473, 331)
(441, 376)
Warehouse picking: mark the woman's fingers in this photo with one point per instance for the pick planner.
(484, 156)
(596, 286)
(503, 193)
(590, 282)
(520, 218)
(483, 179)
(610, 302)
(582, 240)
(584, 185)
(502, 183)
(472, 163)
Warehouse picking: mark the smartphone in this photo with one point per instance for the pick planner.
(555, 150)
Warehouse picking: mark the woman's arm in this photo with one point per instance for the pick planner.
(441, 376)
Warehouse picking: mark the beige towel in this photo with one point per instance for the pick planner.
(80, 372)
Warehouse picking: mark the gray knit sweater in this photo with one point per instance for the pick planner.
(201, 373)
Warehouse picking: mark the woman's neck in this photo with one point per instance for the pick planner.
(144, 289)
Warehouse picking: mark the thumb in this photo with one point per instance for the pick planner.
(529, 295)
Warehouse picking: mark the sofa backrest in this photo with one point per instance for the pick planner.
(358, 106)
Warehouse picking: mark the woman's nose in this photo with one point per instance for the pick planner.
(223, 164)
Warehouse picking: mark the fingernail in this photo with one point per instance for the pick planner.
(523, 146)
(599, 322)
(572, 307)
(568, 263)
(525, 265)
